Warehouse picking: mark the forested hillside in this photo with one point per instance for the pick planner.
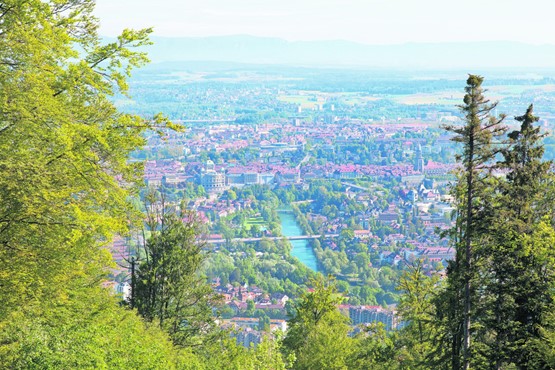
(67, 188)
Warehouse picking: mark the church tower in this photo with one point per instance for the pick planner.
(418, 160)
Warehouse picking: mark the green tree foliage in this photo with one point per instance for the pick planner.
(63, 145)
(476, 135)
(376, 349)
(527, 175)
(169, 288)
(504, 272)
(417, 310)
(228, 355)
(264, 323)
(518, 274)
(317, 334)
(65, 182)
(88, 331)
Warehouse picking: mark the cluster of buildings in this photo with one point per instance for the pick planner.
(217, 179)
(238, 297)
(219, 157)
(247, 330)
(269, 153)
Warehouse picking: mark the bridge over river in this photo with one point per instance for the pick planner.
(297, 237)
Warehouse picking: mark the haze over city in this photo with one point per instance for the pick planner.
(364, 21)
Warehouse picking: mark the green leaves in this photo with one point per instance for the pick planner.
(504, 238)
(65, 184)
(317, 334)
(86, 330)
(170, 289)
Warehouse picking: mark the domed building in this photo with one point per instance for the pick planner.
(211, 180)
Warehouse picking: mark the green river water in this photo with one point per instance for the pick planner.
(301, 248)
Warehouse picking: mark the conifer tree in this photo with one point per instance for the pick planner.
(476, 135)
(527, 175)
(519, 276)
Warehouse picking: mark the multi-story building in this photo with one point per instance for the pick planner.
(211, 180)
(248, 337)
(251, 178)
(372, 314)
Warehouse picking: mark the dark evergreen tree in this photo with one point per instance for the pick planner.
(471, 192)
(519, 274)
(528, 173)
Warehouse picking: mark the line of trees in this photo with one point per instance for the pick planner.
(495, 308)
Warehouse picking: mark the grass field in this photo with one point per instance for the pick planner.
(251, 221)
(303, 100)
(311, 99)
(440, 98)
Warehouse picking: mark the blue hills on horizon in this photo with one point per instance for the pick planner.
(340, 53)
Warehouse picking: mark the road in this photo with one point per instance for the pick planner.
(247, 240)
(355, 186)
(304, 160)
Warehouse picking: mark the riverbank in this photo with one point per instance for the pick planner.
(301, 248)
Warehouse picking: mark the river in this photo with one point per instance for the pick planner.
(301, 248)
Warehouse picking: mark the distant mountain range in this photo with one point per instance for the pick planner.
(261, 50)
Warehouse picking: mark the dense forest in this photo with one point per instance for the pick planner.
(67, 187)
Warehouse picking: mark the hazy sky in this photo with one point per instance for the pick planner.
(366, 21)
